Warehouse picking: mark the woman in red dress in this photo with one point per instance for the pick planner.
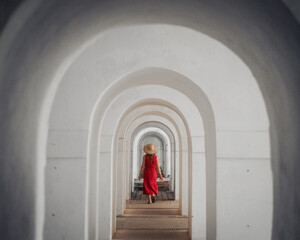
(150, 163)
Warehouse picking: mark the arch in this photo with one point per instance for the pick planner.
(154, 85)
(130, 126)
(179, 131)
(170, 79)
(170, 153)
(277, 134)
(107, 134)
(137, 140)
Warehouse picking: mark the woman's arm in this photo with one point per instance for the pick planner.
(158, 169)
(142, 168)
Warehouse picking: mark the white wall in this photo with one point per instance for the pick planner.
(259, 39)
(240, 115)
(165, 95)
(165, 118)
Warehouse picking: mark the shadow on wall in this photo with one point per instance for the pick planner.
(256, 30)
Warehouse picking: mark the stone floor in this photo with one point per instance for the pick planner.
(142, 204)
(160, 220)
(161, 196)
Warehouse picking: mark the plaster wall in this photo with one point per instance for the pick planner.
(124, 146)
(160, 114)
(165, 94)
(25, 123)
(242, 129)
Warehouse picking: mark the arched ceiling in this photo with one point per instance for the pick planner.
(37, 40)
(294, 6)
(8, 7)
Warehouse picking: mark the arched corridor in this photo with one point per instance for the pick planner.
(198, 89)
(177, 93)
(153, 132)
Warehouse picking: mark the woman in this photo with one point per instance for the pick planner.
(150, 161)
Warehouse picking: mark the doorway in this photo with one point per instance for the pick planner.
(160, 135)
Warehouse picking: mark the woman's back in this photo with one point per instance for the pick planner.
(150, 163)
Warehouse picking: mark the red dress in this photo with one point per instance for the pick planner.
(150, 175)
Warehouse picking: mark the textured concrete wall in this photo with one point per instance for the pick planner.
(241, 120)
(132, 94)
(164, 118)
(41, 37)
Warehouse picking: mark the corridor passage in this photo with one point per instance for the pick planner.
(160, 220)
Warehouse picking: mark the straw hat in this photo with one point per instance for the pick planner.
(150, 148)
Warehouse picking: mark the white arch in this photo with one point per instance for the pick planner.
(259, 58)
(183, 85)
(173, 121)
(153, 109)
(107, 135)
(164, 153)
(166, 130)
(207, 91)
(170, 134)
(122, 142)
(196, 96)
(201, 208)
(136, 140)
